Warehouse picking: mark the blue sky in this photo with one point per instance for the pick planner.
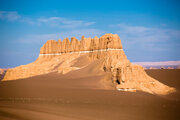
(149, 29)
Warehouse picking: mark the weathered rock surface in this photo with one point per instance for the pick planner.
(2, 73)
(61, 57)
(86, 44)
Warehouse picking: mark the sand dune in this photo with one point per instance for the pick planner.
(58, 97)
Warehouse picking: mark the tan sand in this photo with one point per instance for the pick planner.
(70, 97)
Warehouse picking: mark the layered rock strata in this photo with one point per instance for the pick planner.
(60, 56)
(111, 42)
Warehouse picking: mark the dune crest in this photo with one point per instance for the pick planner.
(63, 56)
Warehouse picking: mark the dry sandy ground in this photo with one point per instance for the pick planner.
(77, 96)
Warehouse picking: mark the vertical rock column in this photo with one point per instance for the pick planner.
(85, 44)
(59, 46)
(66, 47)
(75, 45)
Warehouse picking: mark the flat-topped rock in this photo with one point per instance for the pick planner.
(85, 44)
(103, 55)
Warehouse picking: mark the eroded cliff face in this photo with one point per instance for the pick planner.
(61, 57)
(86, 44)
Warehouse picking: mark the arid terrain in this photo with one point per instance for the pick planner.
(90, 57)
(89, 60)
(86, 80)
(58, 97)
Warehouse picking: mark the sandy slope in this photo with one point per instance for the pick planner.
(69, 97)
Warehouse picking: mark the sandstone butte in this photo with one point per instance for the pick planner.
(102, 55)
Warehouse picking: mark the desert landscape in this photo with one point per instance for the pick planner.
(88, 79)
(89, 60)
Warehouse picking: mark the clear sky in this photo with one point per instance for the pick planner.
(149, 29)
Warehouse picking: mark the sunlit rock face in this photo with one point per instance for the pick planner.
(107, 41)
(61, 56)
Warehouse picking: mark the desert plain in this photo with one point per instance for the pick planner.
(58, 97)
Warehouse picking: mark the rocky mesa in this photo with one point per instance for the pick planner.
(98, 56)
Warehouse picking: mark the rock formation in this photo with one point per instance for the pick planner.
(57, 56)
(2, 73)
(153, 68)
(170, 68)
(163, 67)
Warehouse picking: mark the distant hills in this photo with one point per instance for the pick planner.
(161, 64)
